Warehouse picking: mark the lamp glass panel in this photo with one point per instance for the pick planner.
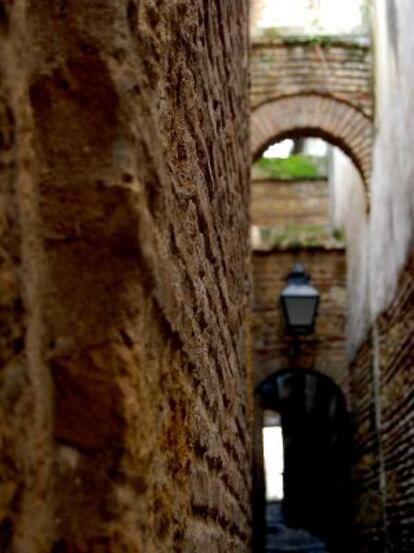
(300, 311)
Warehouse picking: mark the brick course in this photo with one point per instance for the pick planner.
(340, 68)
(283, 203)
(384, 446)
(314, 115)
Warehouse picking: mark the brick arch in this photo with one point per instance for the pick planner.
(315, 421)
(337, 122)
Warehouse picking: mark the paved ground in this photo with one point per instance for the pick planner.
(281, 539)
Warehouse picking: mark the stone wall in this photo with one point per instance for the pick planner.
(26, 451)
(124, 193)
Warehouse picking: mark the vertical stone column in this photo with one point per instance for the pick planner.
(26, 453)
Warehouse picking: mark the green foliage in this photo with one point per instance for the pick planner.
(294, 236)
(322, 40)
(298, 236)
(292, 168)
(271, 33)
(338, 235)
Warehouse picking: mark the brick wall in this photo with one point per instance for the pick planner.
(133, 129)
(324, 351)
(367, 496)
(318, 116)
(385, 460)
(303, 88)
(292, 214)
(283, 203)
(341, 68)
(396, 357)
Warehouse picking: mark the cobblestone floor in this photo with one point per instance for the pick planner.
(282, 539)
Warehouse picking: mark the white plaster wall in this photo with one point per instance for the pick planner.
(378, 247)
(392, 205)
(349, 213)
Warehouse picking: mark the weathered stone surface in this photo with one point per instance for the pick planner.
(25, 393)
(132, 185)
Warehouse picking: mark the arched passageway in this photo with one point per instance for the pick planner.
(316, 439)
(314, 115)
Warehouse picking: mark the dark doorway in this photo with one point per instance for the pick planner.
(317, 447)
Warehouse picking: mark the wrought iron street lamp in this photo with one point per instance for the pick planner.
(300, 301)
